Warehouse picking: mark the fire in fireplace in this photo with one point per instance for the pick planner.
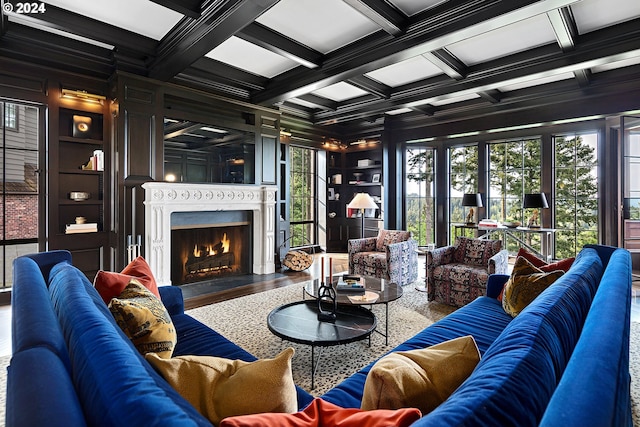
(206, 253)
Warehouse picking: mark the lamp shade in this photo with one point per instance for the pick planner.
(535, 200)
(472, 199)
(362, 201)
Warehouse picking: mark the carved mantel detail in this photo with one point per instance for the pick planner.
(164, 198)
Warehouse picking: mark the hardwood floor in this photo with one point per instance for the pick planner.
(339, 263)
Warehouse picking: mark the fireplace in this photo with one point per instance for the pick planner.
(172, 207)
(202, 252)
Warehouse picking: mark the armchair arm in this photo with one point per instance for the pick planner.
(499, 263)
(401, 250)
(440, 256)
(495, 284)
(367, 244)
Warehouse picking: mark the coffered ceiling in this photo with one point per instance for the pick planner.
(341, 62)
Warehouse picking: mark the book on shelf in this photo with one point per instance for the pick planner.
(89, 227)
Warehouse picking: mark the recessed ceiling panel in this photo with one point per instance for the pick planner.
(139, 16)
(618, 64)
(592, 15)
(507, 40)
(454, 99)
(537, 82)
(398, 111)
(302, 102)
(321, 25)
(407, 71)
(411, 7)
(250, 57)
(340, 92)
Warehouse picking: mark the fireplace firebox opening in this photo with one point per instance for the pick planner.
(210, 252)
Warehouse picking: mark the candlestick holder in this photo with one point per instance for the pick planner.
(327, 297)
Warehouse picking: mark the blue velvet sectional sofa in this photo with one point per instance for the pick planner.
(563, 361)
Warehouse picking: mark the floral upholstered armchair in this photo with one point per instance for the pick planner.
(391, 256)
(458, 274)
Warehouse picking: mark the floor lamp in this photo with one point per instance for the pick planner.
(362, 201)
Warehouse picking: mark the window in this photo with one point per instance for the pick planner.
(576, 193)
(19, 184)
(463, 178)
(302, 193)
(420, 197)
(10, 115)
(514, 170)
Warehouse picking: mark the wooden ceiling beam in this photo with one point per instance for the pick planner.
(190, 40)
(190, 8)
(268, 39)
(428, 31)
(601, 47)
(385, 15)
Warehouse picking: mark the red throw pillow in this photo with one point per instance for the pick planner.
(563, 264)
(110, 284)
(531, 257)
(321, 413)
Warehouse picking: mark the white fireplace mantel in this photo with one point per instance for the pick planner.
(163, 198)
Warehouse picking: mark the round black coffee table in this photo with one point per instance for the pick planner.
(387, 292)
(298, 322)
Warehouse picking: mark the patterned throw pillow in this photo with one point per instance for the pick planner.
(220, 388)
(144, 319)
(387, 237)
(422, 378)
(476, 251)
(524, 285)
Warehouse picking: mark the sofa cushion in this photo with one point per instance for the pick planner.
(115, 385)
(524, 285)
(110, 284)
(387, 237)
(219, 387)
(518, 374)
(422, 378)
(321, 413)
(143, 319)
(475, 251)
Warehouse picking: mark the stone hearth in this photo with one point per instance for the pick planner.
(164, 198)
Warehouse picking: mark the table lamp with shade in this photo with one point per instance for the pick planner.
(473, 200)
(362, 201)
(534, 201)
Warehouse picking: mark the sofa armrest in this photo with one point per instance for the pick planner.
(367, 244)
(172, 299)
(499, 263)
(47, 260)
(495, 284)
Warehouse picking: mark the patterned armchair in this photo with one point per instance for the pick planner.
(456, 275)
(391, 256)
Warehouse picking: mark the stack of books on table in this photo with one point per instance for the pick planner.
(88, 227)
(350, 284)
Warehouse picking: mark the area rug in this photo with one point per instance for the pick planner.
(244, 321)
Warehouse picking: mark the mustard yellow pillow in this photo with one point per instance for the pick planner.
(421, 378)
(144, 319)
(219, 387)
(525, 284)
